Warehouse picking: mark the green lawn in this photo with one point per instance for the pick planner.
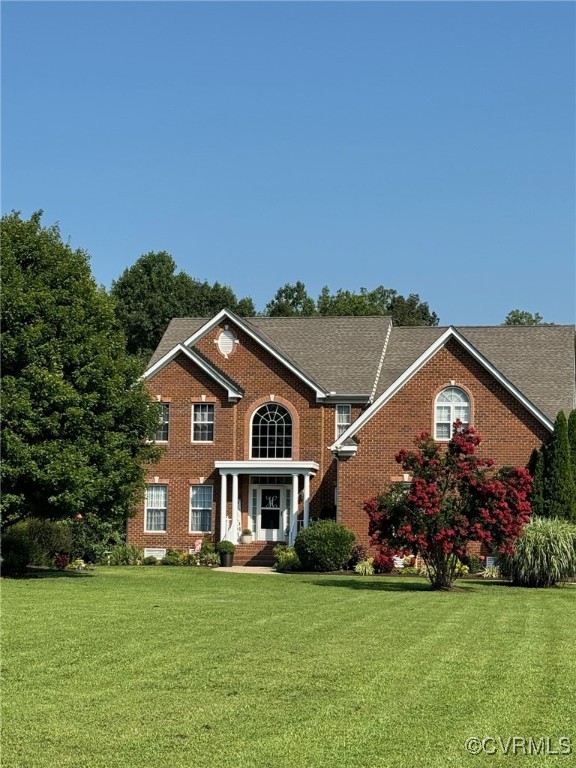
(188, 668)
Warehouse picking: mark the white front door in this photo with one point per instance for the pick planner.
(271, 514)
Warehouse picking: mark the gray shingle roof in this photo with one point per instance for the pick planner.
(342, 354)
(538, 360)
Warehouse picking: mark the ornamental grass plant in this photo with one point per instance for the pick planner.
(544, 555)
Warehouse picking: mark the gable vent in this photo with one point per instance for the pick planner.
(226, 342)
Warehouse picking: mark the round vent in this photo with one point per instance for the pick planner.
(226, 342)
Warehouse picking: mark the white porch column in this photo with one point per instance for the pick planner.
(223, 493)
(235, 516)
(293, 529)
(306, 500)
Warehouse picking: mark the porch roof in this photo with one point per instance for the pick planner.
(267, 467)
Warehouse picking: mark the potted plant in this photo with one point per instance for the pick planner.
(246, 536)
(226, 551)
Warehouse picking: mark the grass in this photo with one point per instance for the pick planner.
(189, 668)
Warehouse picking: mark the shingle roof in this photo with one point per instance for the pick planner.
(538, 360)
(342, 354)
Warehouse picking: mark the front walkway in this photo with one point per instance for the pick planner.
(245, 569)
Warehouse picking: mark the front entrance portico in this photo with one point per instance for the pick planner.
(273, 498)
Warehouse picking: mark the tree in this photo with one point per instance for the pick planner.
(453, 498)
(559, 489)
(411, 311)
(291, 301)
(150, 293)
(76, 412)
(521, 317)
(380, 301)
(536, 469)
(572, 441)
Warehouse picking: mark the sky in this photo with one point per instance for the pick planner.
(425, 146)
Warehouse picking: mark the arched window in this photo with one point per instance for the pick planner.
(451, 404)
(272, 433)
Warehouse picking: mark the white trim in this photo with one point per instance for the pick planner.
(155, 530)
(233, 393)
(266, 467)
(226, 313)
(336, 424)
(192, 423)
(452, 407)
(381, 363)
(259, 408)
(200, 485)
(449, 333)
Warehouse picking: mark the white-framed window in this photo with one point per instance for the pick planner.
(451, 404)
(201, 497)
(156, 552)
(272, 432)
(163, 423)
(203, 423)
(156, 508)
(343, 418)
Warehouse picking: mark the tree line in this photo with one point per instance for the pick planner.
(150, 293)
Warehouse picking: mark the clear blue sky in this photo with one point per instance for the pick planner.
(428, 147)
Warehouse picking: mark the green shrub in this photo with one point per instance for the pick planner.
(324, 546)
(474, 564)
(545, 554)
(410, 570)
(126, 554)
(286, 559)
(34, 542)
(490, 572)
(150, 560)
(359, 554)
(207, 547)
(365, 567)
(209, 559)
(226, 546)
(92, 538)
(173, 557)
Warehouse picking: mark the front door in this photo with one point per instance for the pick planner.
(271, 514)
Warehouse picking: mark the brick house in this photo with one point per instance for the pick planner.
(271, 422)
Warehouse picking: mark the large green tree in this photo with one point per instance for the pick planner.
(521, 317)
(291, 301)
(559, 488)
(572, 441)
(379, 301)
(76, 414)
(150, 293)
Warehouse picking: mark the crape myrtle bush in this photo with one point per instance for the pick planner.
(544, 555)
(324, 546)
(454, 497)
(34, 542)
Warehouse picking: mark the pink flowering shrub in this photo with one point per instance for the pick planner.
(454, 497)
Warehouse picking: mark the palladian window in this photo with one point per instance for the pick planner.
(451, 404)
(272, 433)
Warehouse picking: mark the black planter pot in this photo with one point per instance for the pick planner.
(226, 559)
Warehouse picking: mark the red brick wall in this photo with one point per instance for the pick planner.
(185, 463)
(509, 432)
